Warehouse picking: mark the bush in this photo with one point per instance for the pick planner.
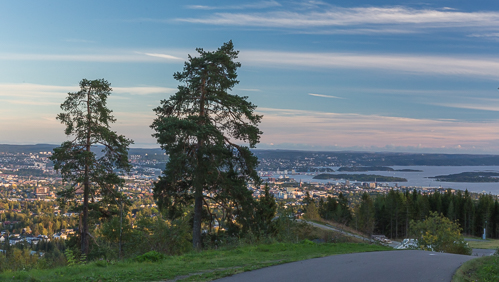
(151, 256)
(160, 235)
(18, 260)
(150, 234)
(440, 234)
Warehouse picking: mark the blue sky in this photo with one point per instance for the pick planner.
(370, 75)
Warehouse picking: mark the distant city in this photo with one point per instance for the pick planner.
(27, 174)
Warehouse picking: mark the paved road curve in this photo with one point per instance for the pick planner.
(406, 265)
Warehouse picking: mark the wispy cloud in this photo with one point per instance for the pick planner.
(325, 96)
(144, 90)
(35, 120)
(163, 56)
(23, 91)
(358, 31)
(109, 57)
(28, 90)
(486, 66)
(347, 130)
(249, 89)
(485, 106)
(257, 5)
(372, 17)
(493, 35)
(447, 65)
(30, 102)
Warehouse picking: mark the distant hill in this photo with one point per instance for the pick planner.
(381, 158)
(13, 149)
(345, 158)
(360, 177)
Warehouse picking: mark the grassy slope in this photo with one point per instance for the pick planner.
(480, 269)
(484, 244)
(202, 266)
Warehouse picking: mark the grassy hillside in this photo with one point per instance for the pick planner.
(194, 266)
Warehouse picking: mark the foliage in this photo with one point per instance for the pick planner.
(395, 210)
(87, 120)
(335, 209)
(438, 233)
(18, 259)
(365, 215)
(169, 237)
(210, 263)
(72, 260)
(265, 211)
(481, 269)
(311, 211)
(484, 244)
(151, 256)
(197, 127)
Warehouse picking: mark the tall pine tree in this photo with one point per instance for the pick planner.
(199, 127)
(87, 120)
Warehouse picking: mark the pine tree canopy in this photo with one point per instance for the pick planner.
(200, 128)
(87, 120)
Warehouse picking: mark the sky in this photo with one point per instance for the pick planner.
(382, 75)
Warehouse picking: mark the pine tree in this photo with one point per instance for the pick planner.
(265, 211)
(365, 215)
(198, 128)
(87, 120)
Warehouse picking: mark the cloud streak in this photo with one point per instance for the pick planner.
(423, 64)
(105, 57)
(485, 66)
(257, 5)
(373, 17)
(325, 96)
(29, 90)
(347, 130)
(163, 56)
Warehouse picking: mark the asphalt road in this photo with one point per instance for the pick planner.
(405, 265)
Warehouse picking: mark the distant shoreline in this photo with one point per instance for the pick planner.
(361, 177)
(373, 168)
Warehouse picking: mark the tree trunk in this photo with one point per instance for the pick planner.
(198, 182)
(196, 228)
(86, 185)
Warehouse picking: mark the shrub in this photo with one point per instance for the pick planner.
(440, 234)
(151, 256)
(160, 235)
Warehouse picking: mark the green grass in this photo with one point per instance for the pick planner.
(484, 244)
(194, 266)
(482, 269)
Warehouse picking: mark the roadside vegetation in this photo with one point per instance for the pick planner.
(478, 243)
(193, 266)
(484, 269)
(439, 234)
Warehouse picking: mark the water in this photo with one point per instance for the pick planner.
(420, 179)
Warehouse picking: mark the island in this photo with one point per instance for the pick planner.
(373, 168)
(479, 176)
(361, 177)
